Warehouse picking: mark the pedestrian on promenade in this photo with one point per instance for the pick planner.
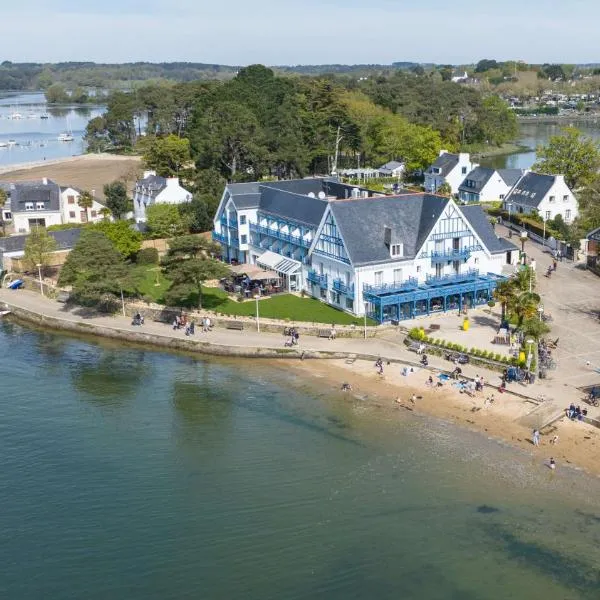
(333, 332)
(536, 437)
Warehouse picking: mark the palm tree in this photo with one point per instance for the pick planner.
(524, 278)
(86, 201)
(526, 306)
(505, 293)
(106, 213)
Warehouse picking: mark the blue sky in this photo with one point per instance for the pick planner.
(275, 32)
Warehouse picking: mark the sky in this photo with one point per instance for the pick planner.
(280, 32)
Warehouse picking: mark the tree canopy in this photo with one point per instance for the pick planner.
(124, 238)
(38, 248)
(116, 199)
(165, 221)
(166, 155)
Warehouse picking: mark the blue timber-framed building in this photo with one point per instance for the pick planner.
(391, 257)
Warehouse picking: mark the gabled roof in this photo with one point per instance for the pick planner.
(531, 189)
(510, 176)
(391, 166)
(362, 223)
(446, 162)
(478, 219)
(35, 191)
(594, 235)
(296, 207)
(65, 240)
(479, 176)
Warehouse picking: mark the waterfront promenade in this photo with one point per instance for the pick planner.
(249, 343)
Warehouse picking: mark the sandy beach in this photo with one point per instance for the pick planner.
(578, 443)
(88, 171)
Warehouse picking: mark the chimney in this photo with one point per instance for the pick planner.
(44, 181)
(172, 180)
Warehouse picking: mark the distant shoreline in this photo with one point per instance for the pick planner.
(58, 161)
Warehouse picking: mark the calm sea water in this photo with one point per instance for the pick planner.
(36, 139)
(133, 474)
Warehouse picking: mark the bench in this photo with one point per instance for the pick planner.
(415, 346)
(502, 339)
(239, 325)
(324, 333)
(435, 327)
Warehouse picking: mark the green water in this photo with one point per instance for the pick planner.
(139, 475)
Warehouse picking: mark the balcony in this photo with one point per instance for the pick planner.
(320, 280)
(223, 220)
(342, 288)
(469, 275)
(219, 237)
(280, 235)
(451, 254)
(450, 235)
(232, 224)
(391, 288)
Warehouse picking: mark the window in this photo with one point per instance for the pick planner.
(439, 270)
(8, 216)
(456, 266)
(548, 215)
(501, 196)
(323, 294)
(71, 214)
(40, 206)
(566, 198)
(464, 170)
(28, 205)
(378, 277)
(349, 304)
(71, 199)
(397, 275)
(397, 250)
(242, 219)
(476, 261)
(94, 213)
(567, 215)
(335, 297)
(244, 239)
(551, 199)
(419, 269)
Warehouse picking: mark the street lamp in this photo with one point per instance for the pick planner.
(122, 302)
(366, 305)
(529, 343)
(256, 297)
(541, 310)
(39, 266)
(523, 238)
(544, 240)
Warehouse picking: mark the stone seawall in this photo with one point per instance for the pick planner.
(169, 342)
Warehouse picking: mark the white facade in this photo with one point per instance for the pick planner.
(71, 212)
(23, 222)
(453, 174)
(495, 189)
(157, 190)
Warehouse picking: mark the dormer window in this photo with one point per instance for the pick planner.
(40, 206)
(28, 205)
(397, 250)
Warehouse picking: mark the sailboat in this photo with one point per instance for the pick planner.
(66, 136)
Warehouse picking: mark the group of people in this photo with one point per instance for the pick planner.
(138, 319)
(181, 322)
(294, 337)
(576, 413)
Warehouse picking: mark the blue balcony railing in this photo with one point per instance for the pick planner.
(342, 288)
(451, 254)
(219, 237)
(280, 235)
(223, 220)
(452, 278)
(233, 224)
(314, 277)
(391, 288)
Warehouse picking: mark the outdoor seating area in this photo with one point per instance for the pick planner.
(250, 281)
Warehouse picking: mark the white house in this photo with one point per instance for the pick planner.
(153, 189)
(395, 257)
(35, 204)
(548, 195)
(484, 184)
(73, 213)
(448, 168)
(392, 169)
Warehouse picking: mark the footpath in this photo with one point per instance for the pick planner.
(42, 311)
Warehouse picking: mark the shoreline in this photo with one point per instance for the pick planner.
(502, 421)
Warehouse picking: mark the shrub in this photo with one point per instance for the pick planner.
(147, 256)
(414, 333)
(498, 356)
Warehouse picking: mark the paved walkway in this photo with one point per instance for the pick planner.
(389, 347)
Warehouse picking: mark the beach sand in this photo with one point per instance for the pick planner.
(578, 443)
(88, 172)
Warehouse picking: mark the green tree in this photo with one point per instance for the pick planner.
(56, 94)
(3, 200)
(505, 294)
(97, 138)
(188, 264)
(570, 154)
(86, 201)
(165, 221)
(534, 328)
(116, 199)
(444, 189)
(38, 248)
(122, 235)
(526, 306)
(96, 271)
(496, 123)
(198, 214)
(166, 155)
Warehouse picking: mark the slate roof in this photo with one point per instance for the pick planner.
(152, 185)
(446, 162)
(35, 191)
(480, 223)
(479, 176)
(247, 200)
(296, 207)
(390, 166)
(65, 240)
(531, 189)
(362, 223)
(510, 176)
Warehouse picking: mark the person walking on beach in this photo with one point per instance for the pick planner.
(536, 437)
(552, 464)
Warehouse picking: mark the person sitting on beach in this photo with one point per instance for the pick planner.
(192, 328)
(429, 382)
(552, 464)
(456, 373)
(175, 324)
(424, 360)
(346, 387)
(489, 400)
(571, 411)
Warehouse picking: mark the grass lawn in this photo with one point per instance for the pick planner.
(286, 306)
